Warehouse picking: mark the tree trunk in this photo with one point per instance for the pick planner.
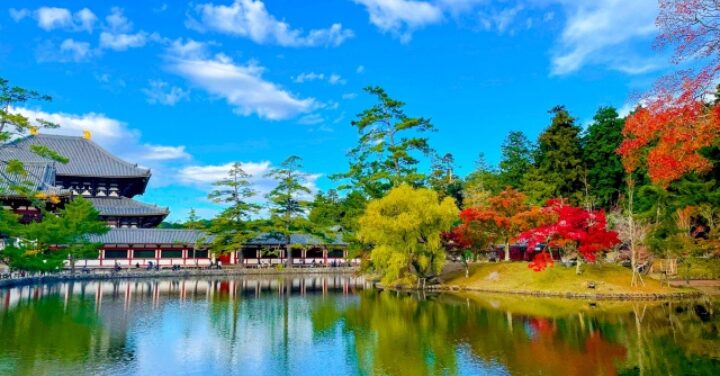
(72, 264)
(634, 252)
(507, 251)
(288, 254)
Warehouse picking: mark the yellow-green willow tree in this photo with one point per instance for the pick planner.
(404, 229)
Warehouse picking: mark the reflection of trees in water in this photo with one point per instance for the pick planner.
(676, 338)
(396, 333)
(37, 336)
(281, 321)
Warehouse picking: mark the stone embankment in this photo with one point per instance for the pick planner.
(183, 273)
(575, 295)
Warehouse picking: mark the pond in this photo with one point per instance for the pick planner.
(336, 325)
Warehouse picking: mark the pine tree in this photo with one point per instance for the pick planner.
(558, 158)
(232, 226)
(516, 159)
(388, 149)
(605, 174)
(288, 203)
(443, 178)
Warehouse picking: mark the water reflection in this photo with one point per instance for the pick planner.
(337, 326)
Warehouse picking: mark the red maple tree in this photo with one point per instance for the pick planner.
(675, 123)
(584, 231)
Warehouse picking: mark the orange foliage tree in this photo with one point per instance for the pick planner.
(674, 123)
(503, 217)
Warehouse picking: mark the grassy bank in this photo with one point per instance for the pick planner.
(517, 277)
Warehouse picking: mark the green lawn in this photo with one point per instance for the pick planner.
(516, 276)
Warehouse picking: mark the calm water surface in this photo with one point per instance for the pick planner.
(334, 326)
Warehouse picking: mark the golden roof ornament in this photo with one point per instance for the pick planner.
(87, 134)
(34, 131)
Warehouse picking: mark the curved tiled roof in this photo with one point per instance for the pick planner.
(150, 236)
(86, 158)
(303, 239)
(123, 206)
(40, 178)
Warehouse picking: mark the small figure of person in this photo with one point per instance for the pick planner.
(219, 264)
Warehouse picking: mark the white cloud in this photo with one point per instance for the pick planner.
(500, 20)
(69, 50)
(18, 14)
(242, 86)
(332, 79)
(250, 19)
(360, 69)
(311, 119)
(164, 153)
(401, 17)
(599, 31)
(349, 96)
(86, 19)
(78, 51)
(118, 138)
(118, 33)
(160, 93)
(202, 176)
(311, 76)
(117, 22)
(121, 42)
(52, 18)
(189, 49)
(336, 79)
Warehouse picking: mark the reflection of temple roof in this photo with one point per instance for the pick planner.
(301, 239)
(40, 178)
(151, 236)
(123, 206)
(86, 158)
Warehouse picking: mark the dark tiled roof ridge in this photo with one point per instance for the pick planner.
(125, 206)
(99, 148)
(129, 170)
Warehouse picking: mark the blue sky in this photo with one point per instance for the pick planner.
(186, 88)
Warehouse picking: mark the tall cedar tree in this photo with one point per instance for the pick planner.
(330, 210)
(288, 205)
(443, 178)
(605, 174)
(388, 149)
(516, 159)
(559, 157)
(231, 226)
(480, 184)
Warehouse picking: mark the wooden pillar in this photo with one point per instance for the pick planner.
(325, 256)
(130, 255)
(184, 256)
(101, 255)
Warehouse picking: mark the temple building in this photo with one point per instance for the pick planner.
(111, 184)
